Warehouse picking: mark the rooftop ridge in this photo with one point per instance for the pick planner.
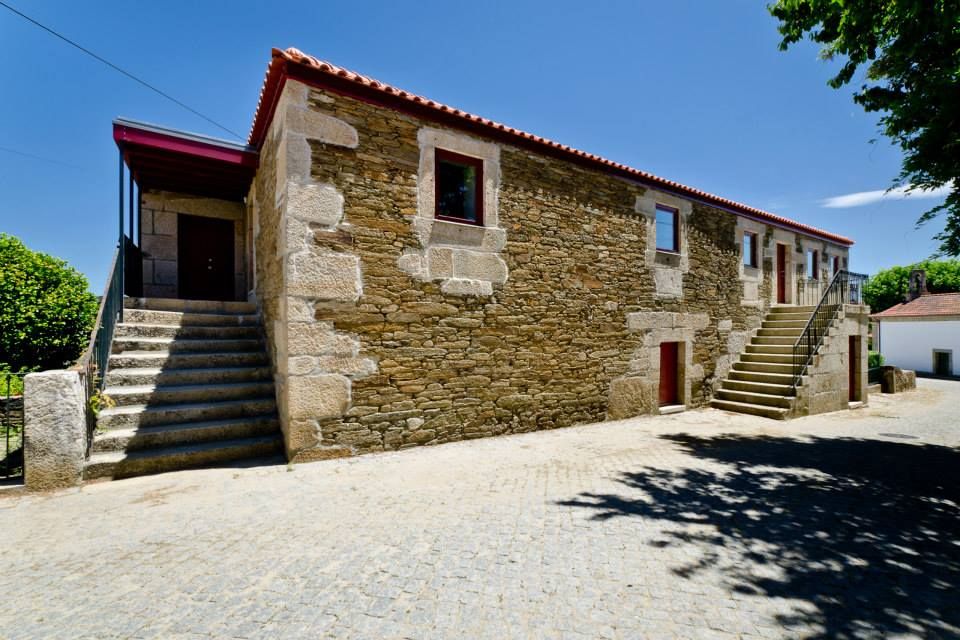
(283, 61)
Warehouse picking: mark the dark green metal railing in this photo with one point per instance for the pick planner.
(844, 288)
(93, 362)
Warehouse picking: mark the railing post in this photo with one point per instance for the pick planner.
(121, 245)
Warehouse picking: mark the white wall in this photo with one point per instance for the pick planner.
(909, 344)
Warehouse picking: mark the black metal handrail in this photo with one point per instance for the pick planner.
(844, 288)
(93, 363)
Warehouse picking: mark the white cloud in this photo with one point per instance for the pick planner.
(863, 198)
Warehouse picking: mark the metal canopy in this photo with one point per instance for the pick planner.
(171, 160)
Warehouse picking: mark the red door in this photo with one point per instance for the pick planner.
(781, 274)
(854, 358)
(669, 373)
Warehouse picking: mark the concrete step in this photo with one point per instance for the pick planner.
(167, 360)
(763, 367)
(776, 358)
(793, 332)
(155, 396)
(776, 413)
(181, 319)
(777, 323)
(150, 330)
(760, 376)
(776, 389)
(167, 435)
(177, 345)
(750, 397)
(159, 376)
(789, 309)
(769, 348)
(140, 415)
(192, 306)
(142, 462)
(787, 340)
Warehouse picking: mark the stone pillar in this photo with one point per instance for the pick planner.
(55, 429)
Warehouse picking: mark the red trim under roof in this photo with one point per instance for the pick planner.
(295, 64)
(176, 161)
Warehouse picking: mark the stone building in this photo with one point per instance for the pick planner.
(387, 271)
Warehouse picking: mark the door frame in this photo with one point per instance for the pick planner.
(782, 258)
(854, 372)
(943, 352)
(678, 354)
(183, 269)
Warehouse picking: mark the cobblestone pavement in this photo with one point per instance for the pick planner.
(698, 525)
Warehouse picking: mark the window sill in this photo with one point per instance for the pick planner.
(668, 252)
(460, 221)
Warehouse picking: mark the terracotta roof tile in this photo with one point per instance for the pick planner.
(931, 304)
(272, 85)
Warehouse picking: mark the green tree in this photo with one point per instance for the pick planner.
(911, 51)
(889, 286)
(46, 311)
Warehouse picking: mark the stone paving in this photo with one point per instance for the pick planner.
(696, 525)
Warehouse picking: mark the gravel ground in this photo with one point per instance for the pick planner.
(697, 525)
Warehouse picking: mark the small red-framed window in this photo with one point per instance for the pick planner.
(813, 264)
(749, 249)
(459, 187)
(836, 265)
(668, 228)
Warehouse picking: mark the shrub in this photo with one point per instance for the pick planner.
(46, 311)
(874, 359)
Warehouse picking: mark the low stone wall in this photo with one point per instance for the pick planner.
(827, 385)
(896, 380)
(55, 429)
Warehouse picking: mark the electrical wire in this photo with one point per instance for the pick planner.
(123, 71)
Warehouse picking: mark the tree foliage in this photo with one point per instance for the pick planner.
(911, 51)
(889, 286)
(46, 311)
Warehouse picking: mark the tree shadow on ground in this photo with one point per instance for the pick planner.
(867, 532)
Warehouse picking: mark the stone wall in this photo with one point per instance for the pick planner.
(827, 385)
(390, 330)
(158, 220)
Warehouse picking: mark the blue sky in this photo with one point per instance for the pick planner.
(690, 90)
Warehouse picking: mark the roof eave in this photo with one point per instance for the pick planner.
(283, 66)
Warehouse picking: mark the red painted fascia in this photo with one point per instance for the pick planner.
(124, 135)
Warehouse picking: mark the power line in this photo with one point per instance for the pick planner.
(40, 158)
(123, 71)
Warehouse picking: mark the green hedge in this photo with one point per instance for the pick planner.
(46, 310)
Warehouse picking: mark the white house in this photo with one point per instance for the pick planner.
(922, 334)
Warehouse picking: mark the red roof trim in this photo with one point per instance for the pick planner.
(295, 64)
(128, 135)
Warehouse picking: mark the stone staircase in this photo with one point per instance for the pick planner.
(760, 382)
(193, 387)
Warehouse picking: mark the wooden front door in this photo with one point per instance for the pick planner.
(781, 274)
(669, 373)
(205, 258)
(854, 358)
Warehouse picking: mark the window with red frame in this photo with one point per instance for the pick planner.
(836, 264)
(459, 187)
(813, 264)
(749, 249)
(668, 229)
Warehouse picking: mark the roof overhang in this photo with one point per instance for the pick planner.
(170, 160)
(294, 64)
